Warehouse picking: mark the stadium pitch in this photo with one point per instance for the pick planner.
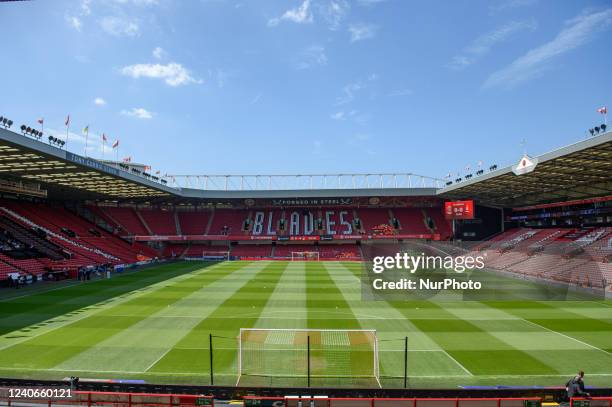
(154, 325)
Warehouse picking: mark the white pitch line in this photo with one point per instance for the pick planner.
(459, 364)
(207, 373)
(293, 349)
(105, 305)
(158, 359)
(566, 336)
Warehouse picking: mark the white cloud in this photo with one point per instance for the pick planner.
(335, 12)
(74, 22)
(120, 26)
(576, 33)
(483, 44)
(86, 7)
(338, 115)
(343, 115)
(99, 101)
(350, 91)
(370, 2)
(174, 74)
(256, 99)
(362, 31)
(311, 57)
(299, 15)
(138, 112)
(159, 53)
(509, 4)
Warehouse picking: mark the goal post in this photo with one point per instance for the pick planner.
(308, 256)
(317, 353)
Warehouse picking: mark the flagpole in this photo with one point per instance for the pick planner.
(86, 141)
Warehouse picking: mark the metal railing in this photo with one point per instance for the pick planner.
(263, 182)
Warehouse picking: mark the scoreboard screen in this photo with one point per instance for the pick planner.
(459, 210)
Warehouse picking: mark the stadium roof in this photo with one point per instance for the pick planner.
(581, 170)
(26, 159)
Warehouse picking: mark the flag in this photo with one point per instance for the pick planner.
(603, 110)
(40, 121)
(147, 168)
(104, 139)
(157, 172)
(67, 122)
(127, 159)
(116, 144)
(86, 130)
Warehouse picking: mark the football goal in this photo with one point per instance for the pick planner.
(312, 256)
(308, 353)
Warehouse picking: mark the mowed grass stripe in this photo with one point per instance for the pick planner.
(324, 298)
(426, 358)
(192, 354)
(560, 317)
(173, 272)
(54, 347)
(139, 346)
(475, 348)
(286, 306)
(29, 311)
(546, 346)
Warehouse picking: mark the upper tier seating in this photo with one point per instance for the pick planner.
(227, 221)
(411, 220)
(194, 223)
(127, 220)
(370, 218)
(160, 222)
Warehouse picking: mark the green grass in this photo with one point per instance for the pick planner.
(155, 324)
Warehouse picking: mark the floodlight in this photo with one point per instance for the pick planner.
(603, 127)
(596, 128)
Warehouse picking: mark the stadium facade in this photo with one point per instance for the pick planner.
(71, 211)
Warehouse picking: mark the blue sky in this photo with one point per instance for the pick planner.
(310, 86)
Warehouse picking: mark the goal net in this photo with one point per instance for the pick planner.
(312, 256)
(333, 353)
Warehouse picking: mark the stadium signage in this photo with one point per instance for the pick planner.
(459, 210)
(185, 238)
(525, 165)
(91, 163)
(312, 201)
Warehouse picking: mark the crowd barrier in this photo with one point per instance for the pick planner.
(289, 401)
(591, 402)
(114, 399)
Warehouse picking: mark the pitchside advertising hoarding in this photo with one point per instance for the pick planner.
(459, 210)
